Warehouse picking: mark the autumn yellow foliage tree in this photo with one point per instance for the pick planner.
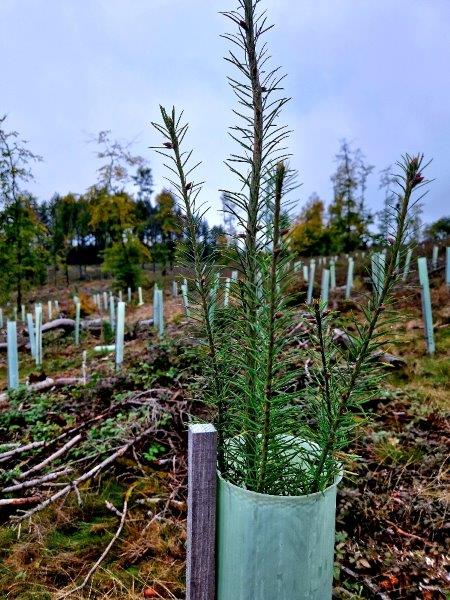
(309, 234)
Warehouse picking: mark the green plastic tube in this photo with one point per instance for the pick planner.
(274, 547)
(13, 357)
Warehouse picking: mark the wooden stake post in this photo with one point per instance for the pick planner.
(201, 522)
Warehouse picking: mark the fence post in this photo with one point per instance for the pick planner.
(201, 520)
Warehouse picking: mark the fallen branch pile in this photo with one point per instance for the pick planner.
(38, 467)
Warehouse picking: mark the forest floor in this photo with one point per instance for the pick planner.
(392, 520)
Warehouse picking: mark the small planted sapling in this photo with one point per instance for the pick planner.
(274, 440)
(249, 368)
(345, 380)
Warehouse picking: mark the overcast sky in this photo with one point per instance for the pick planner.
(376, 72)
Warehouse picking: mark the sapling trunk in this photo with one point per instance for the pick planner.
(279, 181)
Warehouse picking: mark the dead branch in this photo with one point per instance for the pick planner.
(85, 476)
(411, 536)
(36, 482)
(19, 501)
(51, 458)
(20, 450)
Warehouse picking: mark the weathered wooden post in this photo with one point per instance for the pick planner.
(23, 313)
(38, 334)
(434, 260)
(120, 296)
(140, 297)
(407, 264)
(120, 334)
(332, 275)
(174, 289)
(57, 307)
(1, 318)
(426, 304)
(49, 310)
(447, 266)
(105, 301)
(325, 287)
(129, 295)
(311, 274)
(13, 355)
(201, 520)
(77, 323)
(31, 335)
(349, 282)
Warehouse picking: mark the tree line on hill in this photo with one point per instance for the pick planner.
(120, 224)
